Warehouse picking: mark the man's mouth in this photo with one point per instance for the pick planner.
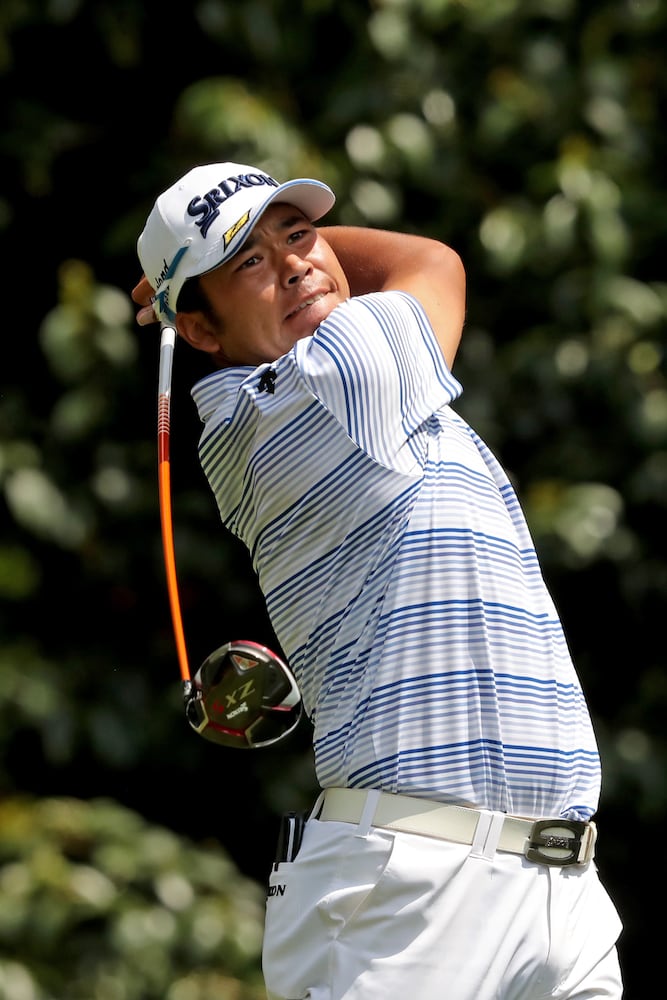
(307, 302)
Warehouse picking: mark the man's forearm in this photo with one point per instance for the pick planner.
(376, 260)
(371, 258)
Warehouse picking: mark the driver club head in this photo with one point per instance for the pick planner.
(243, 696)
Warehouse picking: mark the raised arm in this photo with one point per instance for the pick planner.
(377, 260)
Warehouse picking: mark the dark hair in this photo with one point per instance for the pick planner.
(193, 298)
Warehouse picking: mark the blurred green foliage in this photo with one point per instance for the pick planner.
(526, 133)
(97, 904)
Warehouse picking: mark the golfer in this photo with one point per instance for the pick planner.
(450, 853)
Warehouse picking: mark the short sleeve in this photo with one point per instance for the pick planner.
(376, 365)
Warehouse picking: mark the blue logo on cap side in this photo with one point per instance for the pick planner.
(162, 297)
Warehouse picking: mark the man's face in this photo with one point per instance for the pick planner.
(277, 288)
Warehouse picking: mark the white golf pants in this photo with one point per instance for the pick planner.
(382, 915)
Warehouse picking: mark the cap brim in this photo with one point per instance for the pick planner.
(311, 197)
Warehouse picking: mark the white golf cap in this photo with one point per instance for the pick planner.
(205, 217)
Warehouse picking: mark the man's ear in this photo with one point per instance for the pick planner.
(195, 329)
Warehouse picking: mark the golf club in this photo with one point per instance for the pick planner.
(243, 695)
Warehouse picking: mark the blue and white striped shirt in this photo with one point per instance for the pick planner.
(398, 570)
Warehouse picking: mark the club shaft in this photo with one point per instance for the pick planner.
(167, 345)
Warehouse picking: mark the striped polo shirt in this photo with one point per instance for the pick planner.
(398, 570)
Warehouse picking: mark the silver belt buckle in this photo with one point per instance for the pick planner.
(560, 841)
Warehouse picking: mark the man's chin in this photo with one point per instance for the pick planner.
(306, 322)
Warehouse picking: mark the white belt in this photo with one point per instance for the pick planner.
(549, 841)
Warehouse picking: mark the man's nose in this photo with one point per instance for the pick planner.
(294, 268)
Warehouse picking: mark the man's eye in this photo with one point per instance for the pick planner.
(297, 235)
(249, 261)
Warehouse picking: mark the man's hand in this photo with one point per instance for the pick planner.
(142, 294)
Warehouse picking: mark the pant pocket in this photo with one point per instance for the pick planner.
(309, 902)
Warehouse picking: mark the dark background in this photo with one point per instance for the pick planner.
(527, 135)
